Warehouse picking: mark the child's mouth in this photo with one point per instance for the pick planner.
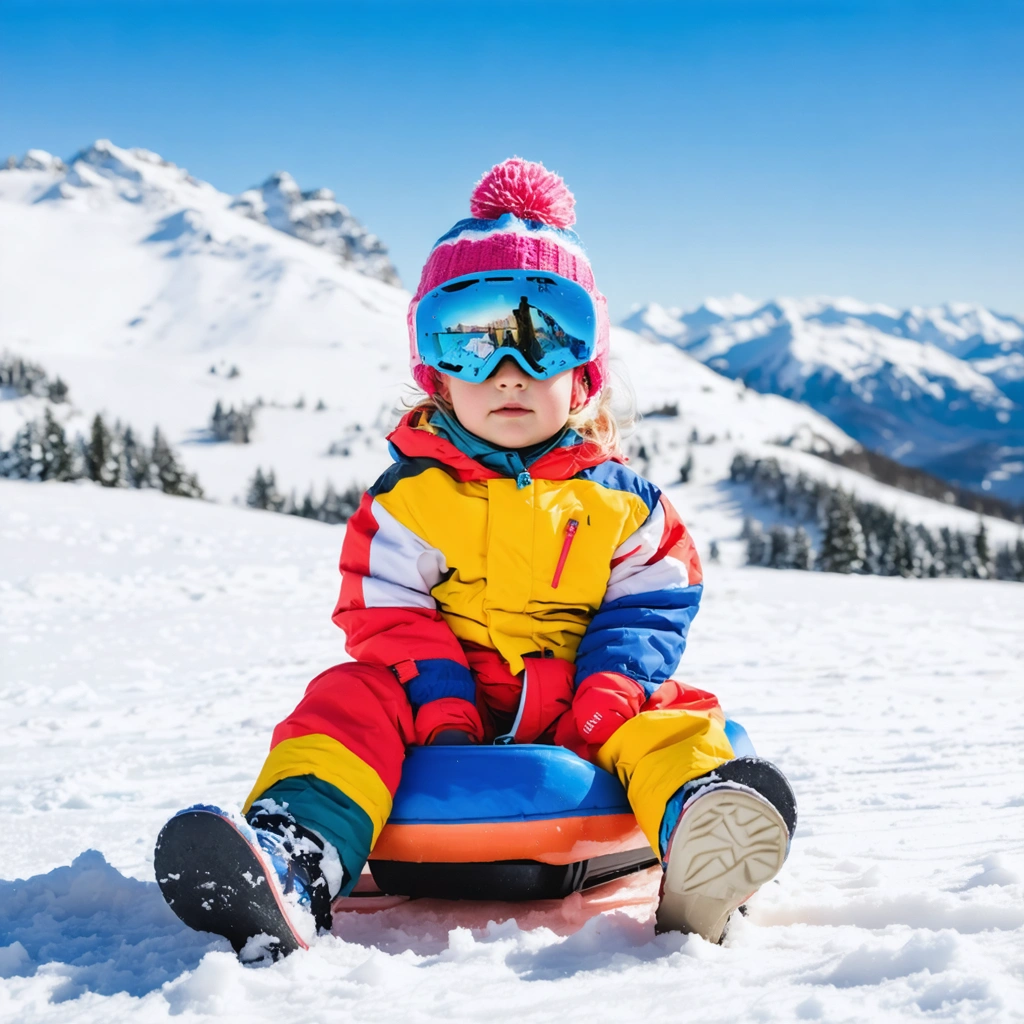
(511, 410)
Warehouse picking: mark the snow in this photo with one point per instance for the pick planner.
(150, 644)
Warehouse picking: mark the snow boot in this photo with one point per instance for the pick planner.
(257, 883)
(725, 834)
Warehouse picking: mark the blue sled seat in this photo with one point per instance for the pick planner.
(509, 822)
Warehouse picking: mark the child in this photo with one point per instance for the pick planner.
(509, 576)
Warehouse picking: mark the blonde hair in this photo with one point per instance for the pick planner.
(597, 421)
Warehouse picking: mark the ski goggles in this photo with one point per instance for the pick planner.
(467, 325)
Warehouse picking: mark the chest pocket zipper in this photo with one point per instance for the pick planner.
(570, 532)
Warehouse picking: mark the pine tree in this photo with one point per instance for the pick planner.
(686, 469)
(135, 461)
(263, 493)
(780, 553)
(757, 546)
(842, 548)
(217, 421)
(23, 459)
(903, 557)
(803, 556)
(101, 463)
(57, 461)
(57, 391)
(982, 552)
(167, 473)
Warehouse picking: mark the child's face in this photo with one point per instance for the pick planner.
(511, 408)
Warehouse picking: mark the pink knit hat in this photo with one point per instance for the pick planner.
(522, 213)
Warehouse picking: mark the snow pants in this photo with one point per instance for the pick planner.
(336, 760)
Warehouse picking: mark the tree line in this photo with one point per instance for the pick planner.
(332, 507)
(27, 378)
(113, 456)
(860, 536)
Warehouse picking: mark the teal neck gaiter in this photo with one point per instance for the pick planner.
(511, 462)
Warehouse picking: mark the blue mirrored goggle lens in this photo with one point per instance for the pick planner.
(468, 325)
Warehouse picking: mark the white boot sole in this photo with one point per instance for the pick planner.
(727, 845)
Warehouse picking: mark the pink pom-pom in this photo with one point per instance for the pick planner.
(526, 189)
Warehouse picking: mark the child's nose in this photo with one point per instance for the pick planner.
(509, 375)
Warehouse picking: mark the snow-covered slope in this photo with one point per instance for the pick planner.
(937, 388)
(151, 643)
(142, 288)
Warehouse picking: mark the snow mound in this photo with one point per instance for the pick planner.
(94, 930)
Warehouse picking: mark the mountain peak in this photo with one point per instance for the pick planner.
(318, 218)
(36, 160)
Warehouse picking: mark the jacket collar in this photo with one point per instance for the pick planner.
(415, 439)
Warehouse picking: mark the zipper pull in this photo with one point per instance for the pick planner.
(570, 531)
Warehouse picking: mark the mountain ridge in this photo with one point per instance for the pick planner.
(939, 388)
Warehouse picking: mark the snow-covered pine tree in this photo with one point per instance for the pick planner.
(780, 547)
(982, 552)
(135, 459)
(263, 492)
(757, 544)
(903, 557)
(57, 456)
(1009, 561)
(167, 473)
(803, 555)
(842, 548)
(101, 462)
(22, 460)
(739, 468)
(339, 508)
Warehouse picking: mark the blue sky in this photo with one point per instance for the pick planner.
(866, 149)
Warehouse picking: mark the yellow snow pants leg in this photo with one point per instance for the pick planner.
(659, 751)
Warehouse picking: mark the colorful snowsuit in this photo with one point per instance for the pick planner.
(462, 587)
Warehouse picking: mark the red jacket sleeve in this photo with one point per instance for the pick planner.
(386, 608)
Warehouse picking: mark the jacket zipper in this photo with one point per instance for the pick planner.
(570, 532)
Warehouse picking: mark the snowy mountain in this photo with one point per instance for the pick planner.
(318, 218)
(938, 388)
(154, 297)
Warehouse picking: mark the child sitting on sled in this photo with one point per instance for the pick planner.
(509, 577)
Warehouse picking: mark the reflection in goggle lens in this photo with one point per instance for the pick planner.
(468, 325)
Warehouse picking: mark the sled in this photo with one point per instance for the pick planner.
(509, 823)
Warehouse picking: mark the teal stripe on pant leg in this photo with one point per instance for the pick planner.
(338, 818)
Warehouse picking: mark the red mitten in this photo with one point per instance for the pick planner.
(603, 702)
(444, 714)
(494, 681)
(546, 696)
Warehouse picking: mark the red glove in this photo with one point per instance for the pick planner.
(447, 714)
(603, 702)
(548, 690)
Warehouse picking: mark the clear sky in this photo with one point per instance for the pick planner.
(873, 149)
